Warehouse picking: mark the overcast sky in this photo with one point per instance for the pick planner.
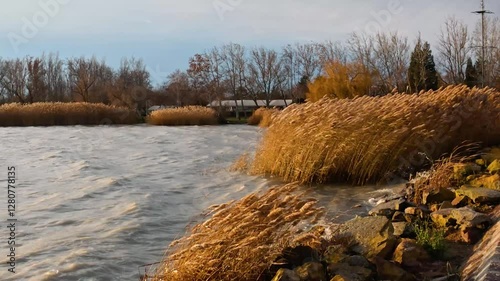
(165, 33)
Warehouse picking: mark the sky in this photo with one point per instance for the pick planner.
(165, 33)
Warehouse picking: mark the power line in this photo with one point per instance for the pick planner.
(483, 13)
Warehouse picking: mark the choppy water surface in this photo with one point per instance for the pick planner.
(94, 203)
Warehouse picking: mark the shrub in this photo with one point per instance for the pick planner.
(242, 239)
(375, 138)
(430, 238)
(262, 117)
(183, 116)
(57, 114)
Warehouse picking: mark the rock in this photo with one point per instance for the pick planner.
(464, 217)
(446, 205)
(419, 211)
(409, 253)
(400, 228)
(442, 217)
(494, 167)
(491, 155)
(311, 271)
(479, 195)
(471, 235)
(389, 271)
(491, 182)
(484, 264)
(398, 216)
(284, 274)
(480, 162)
(357, 260)
(388, 209)
(335, 254)
(347, 272)
(372, 236)
(462, 170)
(459, 201)
(437, 195)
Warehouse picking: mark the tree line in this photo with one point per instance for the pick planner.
(372, 64)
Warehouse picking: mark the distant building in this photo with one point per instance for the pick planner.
(247, 107)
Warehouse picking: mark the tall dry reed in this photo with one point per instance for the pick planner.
(242, 239)
(374, 138)
(183, 116)
(58, 114)
(263, 117)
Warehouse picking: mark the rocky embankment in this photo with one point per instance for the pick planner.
(426, 233)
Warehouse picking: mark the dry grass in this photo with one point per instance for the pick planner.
(242, 239)
(369, 138)
(263, 117)
(442, 174)
(59, 114)
(183, 116)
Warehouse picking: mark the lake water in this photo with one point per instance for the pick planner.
(95, 203)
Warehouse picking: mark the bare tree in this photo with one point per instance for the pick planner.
(55, 81)
(330, 51)
(454, 48)
(391, 58)
(14, 80)
(266, 71)
(490, 71)
(82, 75)
(234, 68)
(35, 84)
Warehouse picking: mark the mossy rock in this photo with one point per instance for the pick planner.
(487, 181)
(462, 170)
(494, 167)
(491, 155)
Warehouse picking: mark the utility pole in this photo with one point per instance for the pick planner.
(483, 13)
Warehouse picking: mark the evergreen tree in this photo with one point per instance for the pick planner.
(471, 74)
(422, 73)
(431, 75)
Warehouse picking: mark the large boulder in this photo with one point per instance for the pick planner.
(479, 194)
(371, 236)
(409, 253)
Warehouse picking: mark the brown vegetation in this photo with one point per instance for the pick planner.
(371, 138)
(183, 116)
(57, 114)
(242, 239)
(262, 117)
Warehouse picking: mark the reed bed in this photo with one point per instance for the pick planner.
(64, 114)
(242, 239)
(263, 117)
(183, 116)
(369, 139)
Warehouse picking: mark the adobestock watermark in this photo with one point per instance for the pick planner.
(31, 26)
(382, 19)
(222, 7)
